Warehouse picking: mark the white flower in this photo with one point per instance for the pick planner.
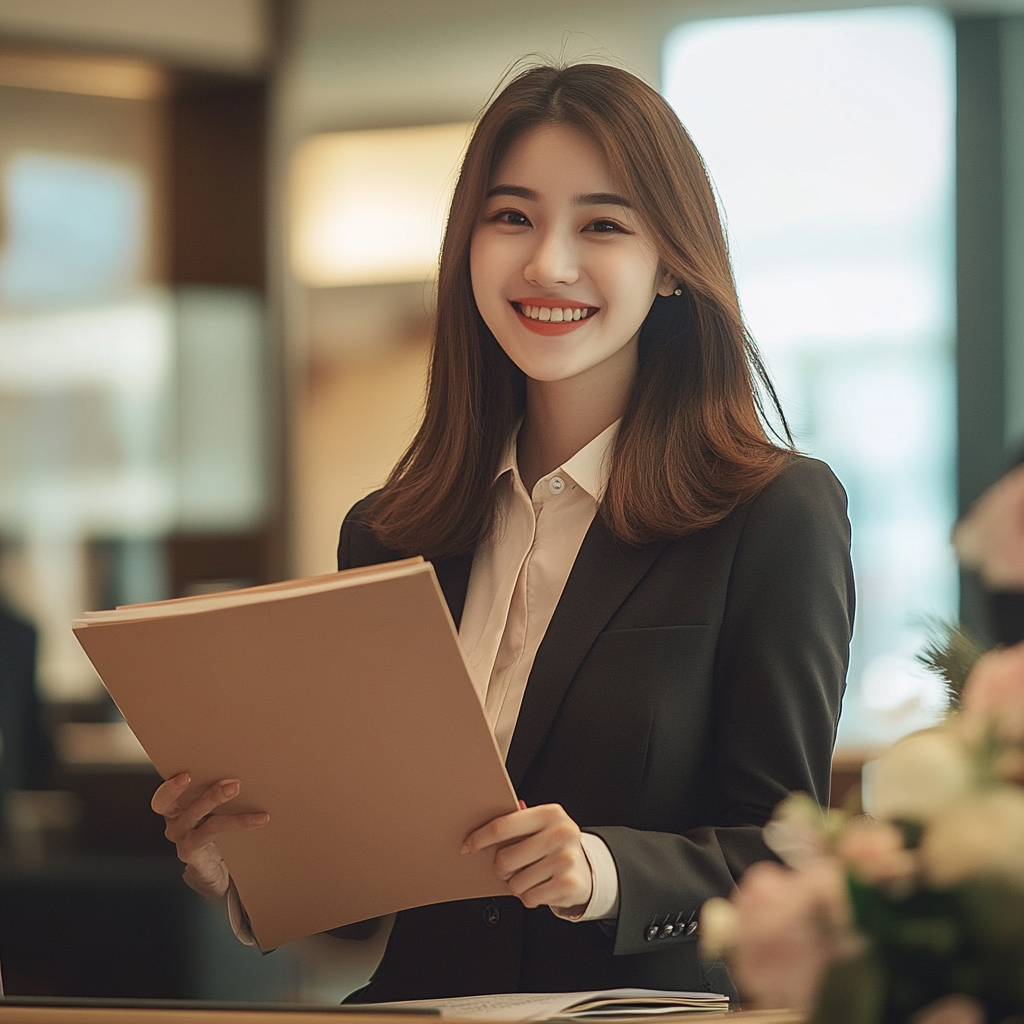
(796, 832)
(791, 925)
(982, 837)
(920, 775)
(719, 927)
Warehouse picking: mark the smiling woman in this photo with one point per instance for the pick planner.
(561, 230)
(558, 253)
(654, 599)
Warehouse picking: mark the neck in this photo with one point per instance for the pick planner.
(563, 416)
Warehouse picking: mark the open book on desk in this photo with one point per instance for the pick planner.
(344, 706)
(522, 1007)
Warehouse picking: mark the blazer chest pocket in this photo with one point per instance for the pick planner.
(649, 658)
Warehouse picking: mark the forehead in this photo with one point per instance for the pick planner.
(555, 159)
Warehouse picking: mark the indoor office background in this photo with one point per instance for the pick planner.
(219, 227)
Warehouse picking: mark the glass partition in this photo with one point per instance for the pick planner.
(829, 137)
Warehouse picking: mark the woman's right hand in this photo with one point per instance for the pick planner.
(193, 829)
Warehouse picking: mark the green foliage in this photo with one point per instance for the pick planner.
(852, 992)
(950, 652)
(968, 939)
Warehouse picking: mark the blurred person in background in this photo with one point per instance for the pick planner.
(25, 752)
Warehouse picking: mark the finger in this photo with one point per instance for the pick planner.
(567, 892)
(165, 799)
(563, 879)
(549, 842)
(211, 880)
(208, 801)
(508, 827)
(532, 875)
(179, 804)
(217, 824)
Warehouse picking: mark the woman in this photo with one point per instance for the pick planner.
(655, 600)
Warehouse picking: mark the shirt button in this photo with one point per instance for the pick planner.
(556, 485)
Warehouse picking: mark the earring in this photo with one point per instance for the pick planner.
(678, 291)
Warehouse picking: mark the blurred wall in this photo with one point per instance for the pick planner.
(353, 64)
(227, 35)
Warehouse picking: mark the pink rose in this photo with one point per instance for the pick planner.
(994, 695)
(990, 538)
(951, 1010)
(791, 926)
(874, 851)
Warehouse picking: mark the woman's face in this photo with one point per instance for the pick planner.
(563, 271)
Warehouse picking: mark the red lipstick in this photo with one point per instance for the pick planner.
(547, 316)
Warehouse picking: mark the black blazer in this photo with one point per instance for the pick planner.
(682, 689)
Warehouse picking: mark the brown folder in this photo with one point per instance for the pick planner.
(344, 705)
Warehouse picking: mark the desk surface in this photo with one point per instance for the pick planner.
(108, 1015)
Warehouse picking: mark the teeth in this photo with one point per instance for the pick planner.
(556, 316)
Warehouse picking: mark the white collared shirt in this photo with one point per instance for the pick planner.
(518, 576)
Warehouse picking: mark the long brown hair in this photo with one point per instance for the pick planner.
(692, 445)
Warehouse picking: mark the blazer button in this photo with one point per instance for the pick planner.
(492, 915)
(652, 932)
(666, 931)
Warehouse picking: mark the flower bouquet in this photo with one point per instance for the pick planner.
(916, 912)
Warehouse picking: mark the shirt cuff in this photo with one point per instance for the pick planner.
(238, 917)
(604, 899)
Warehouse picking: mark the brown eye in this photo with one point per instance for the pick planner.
(513, 218)
(605, 227)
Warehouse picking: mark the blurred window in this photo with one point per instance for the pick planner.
(829, 137)
(128, 410)
(75, 229)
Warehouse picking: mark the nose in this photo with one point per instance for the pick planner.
(553, 260)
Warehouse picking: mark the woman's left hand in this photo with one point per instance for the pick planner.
(539, 857)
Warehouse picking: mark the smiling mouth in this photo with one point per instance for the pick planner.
(553, 314)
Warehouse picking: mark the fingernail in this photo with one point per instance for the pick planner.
(230, 789)
(465, 848)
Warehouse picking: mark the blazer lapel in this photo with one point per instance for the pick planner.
(453, 576)
(605, 572)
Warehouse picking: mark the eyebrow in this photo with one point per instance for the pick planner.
(584, 199)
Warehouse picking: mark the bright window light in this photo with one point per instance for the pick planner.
(77, 229)
(369, 207)
(829, 137)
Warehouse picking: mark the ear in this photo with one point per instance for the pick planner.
(667, 284)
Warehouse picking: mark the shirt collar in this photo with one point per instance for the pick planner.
(590, 467)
